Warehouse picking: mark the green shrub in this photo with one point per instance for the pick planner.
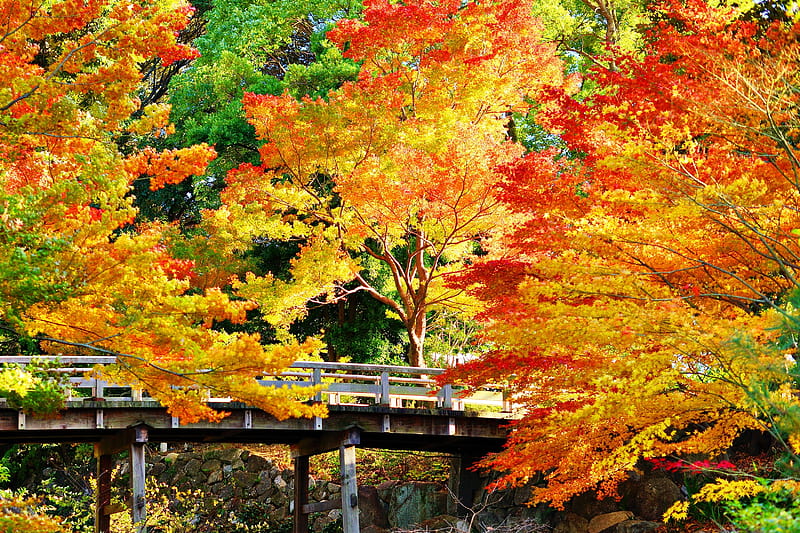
(772, 512)
(375, 467)
(34, 388)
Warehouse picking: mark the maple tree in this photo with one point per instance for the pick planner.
(400, 165)
(263, 47)
(75, 273)
(646, 308)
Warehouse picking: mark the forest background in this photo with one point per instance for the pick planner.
(598, 201)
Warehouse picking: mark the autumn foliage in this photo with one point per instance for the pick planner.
(24, 515)
(637, 279)
(400, 166)
(644, 309)
(75, 272)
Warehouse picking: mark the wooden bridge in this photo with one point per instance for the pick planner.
(372, 406)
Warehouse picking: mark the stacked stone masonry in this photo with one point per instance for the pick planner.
(239, 478)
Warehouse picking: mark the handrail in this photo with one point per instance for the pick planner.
(344, 384)
(362, 367)
(66, 359)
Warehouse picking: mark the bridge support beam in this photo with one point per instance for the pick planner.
(132, 440)
(138, 473)
(347, 466)
(301, 479)
(346, 442)
(102, 515)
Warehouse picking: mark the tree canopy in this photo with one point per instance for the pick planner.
(401, 164)
(647, 306)
(77, 274)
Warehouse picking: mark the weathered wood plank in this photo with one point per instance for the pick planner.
(357, 367)
(66, 359)
(138, 498)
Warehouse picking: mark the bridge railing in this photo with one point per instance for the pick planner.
(343, 384)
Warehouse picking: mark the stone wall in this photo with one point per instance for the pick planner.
(242, 481)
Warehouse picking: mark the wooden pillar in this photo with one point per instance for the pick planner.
(134, 440)
(300, 494)
(347, 466)
(102, 518)
(346, 441)
(138, 500)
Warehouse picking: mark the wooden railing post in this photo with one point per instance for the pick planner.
(317, 381)
(507, 407)
(447, 396)
(97, 390)
(385, 399)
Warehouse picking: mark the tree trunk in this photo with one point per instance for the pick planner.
(417, 327)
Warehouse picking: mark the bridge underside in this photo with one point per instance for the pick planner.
(382, 427)
(129, 425)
